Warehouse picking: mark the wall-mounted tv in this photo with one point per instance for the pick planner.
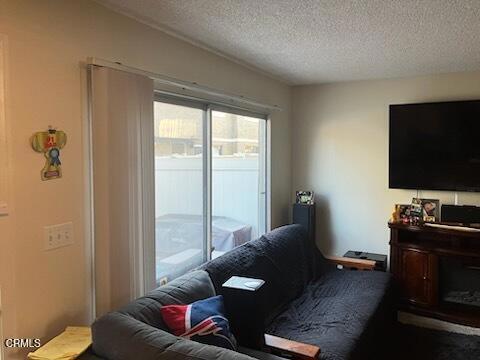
(435, 146)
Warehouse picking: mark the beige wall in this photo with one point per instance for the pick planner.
(340, 150)
(44, 291)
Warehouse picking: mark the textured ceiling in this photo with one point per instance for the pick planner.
(318, 41)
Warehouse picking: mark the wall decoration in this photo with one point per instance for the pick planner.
(49, 143)
(305, 197)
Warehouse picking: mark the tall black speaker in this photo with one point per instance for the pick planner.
(304, 215)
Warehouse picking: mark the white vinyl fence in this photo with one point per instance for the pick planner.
(235, 187)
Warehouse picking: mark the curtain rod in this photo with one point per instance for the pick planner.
(185, 85)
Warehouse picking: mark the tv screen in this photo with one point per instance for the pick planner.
(435, 146)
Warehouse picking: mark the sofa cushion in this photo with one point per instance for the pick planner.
(203, 321)
(284, 258)
(193, 286)
(337, 313)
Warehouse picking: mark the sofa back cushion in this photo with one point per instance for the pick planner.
(283, 258)
(191, 287)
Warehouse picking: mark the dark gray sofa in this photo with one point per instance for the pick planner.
(348, 314)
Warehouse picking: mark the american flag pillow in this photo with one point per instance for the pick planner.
(203, 321)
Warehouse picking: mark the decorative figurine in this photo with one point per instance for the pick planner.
(49, 143)
(395, 215)
(401, 214)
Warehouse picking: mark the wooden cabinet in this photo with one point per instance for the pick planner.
(418, 258)
(417, 276)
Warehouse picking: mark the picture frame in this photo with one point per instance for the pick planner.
(431, 210)
(401, 213)
(305, 197)
(416, 209)
(403, 210)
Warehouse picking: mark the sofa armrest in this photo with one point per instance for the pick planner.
(120, 337)
(359, 264)
(297, 350)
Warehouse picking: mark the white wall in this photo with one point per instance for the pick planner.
(42, 292)
(340, 150)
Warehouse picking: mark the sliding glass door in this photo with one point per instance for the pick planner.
(180, 236)
(238, 180)
(210, 183)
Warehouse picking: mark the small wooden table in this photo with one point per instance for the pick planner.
(380, 259)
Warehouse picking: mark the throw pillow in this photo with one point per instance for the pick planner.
(203, 321)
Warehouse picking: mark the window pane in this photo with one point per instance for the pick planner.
(179, 230)
(238, 180)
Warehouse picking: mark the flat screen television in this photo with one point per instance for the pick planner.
(435, 146)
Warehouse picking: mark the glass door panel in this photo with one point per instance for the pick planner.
(238, 180)
(179, 202)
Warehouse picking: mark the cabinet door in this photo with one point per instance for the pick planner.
(417, 279)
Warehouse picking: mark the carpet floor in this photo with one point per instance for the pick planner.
(425, 344)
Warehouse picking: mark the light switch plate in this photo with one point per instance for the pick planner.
(59, 235)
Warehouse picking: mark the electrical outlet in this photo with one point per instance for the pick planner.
(58, 235)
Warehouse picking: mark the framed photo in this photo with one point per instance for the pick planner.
(305, 197)
(416, 209)
(403, 210)
(430, 208)
(401, 213)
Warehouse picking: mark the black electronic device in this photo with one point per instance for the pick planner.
(434, 146)
(462, 214)
(246, 303)
(380, 259)
(304, 214)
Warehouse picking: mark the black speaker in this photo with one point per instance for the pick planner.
(246, 308)
(463, 214)
(304, 215)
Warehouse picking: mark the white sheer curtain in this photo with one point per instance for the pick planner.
(122, 142)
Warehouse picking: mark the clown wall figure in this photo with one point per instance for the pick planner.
(49, 143)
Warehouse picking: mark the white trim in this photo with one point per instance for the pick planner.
(262, 177)
(268, 161)
(4, 158)
(4, 162)
(168, 81)
(89, 197)
(207, 171)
